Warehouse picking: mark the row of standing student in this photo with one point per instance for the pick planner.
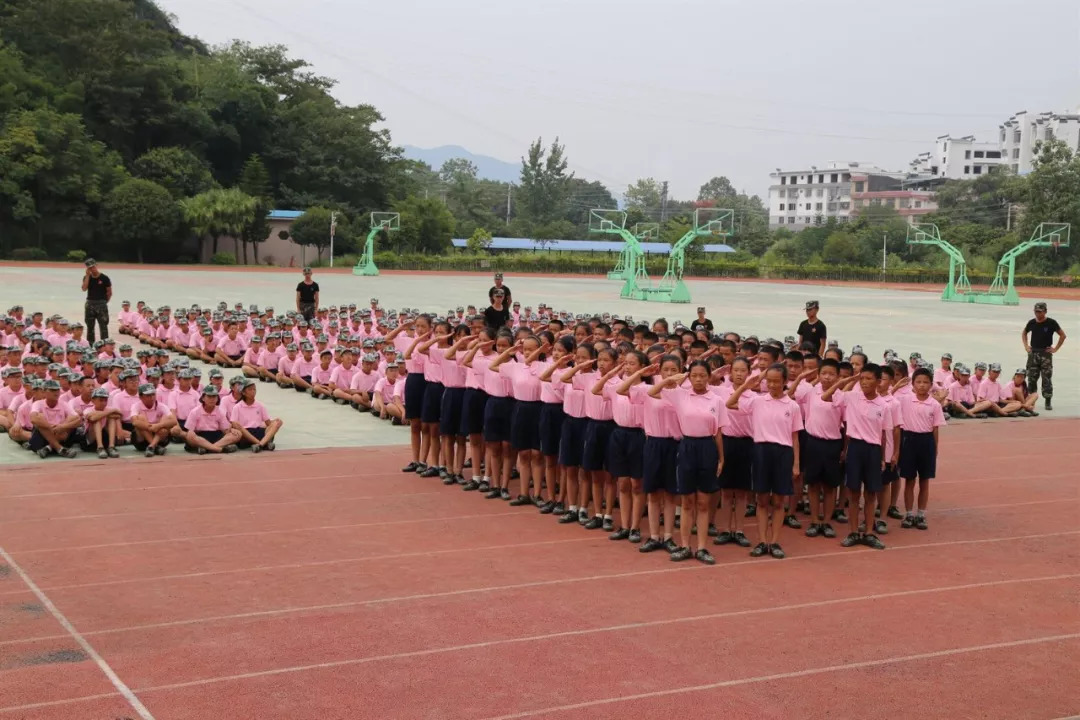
(586, 423)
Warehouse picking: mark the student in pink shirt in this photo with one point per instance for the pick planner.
(182, 401)
(660, 454)
(321, 374)
(701, 453)
(598, 428)
(341, 377)
(303, 367)
(998, 400)
(776, 420)
(552, 417)
(434, 348)
(124, 400)
(177, 336)
(497, 414)
(249, 362)
(572, 437)
(475, 361)
(270, 358)
(54, 424)
(455, 378)
(81, 397)
(286, 364)
(359, 392)
(152, 422)
(230, 349)
(961, 401)
(869, 420)
(943, 376)
(229, 399)
(920, 418)
(1017, 390)
(101, 425)
(625, 460)
(208, 430)
(737, 476)
(249, 417)
(13, 387)
(384, 403)
(22, 427)
(890, 478)
(203, 345)
(524, 377)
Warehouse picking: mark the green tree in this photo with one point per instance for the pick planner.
(255, 181)
(479, 241)
(219, 212)
(178, 170)
(427, 225)
(841, 248)
(717, 188)
(545, 184)
(457, 170)
(585, 195)
(141, 217)
(313, 228)
(645, 195)
(1052, 194)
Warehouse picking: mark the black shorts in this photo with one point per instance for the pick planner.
(552, 417)
(432, 407)
(89, 444)
(234, 358)
(180, 424)
(572, 441)
(126, 425)
(625, 452)
(738, 463)
(307, 379)
(450, 413)
(497, 415)
(918, 456)
(525, 425)
(211, 436)
(890, 474)
(37, 441)
(597, 437)
(698, 459)
(415, 387)
(472, 411)
(258, 432)
(821, 462)
(773, 465)
(660, 460)
(863, 466)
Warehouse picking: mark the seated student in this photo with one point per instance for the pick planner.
(303, 367)
(270, 358)
(101, 424)
(54, 424)
(363, 382)
(13, 387)
(230, 347)
(341, 378)
(960, 401)
(21, 427)
(182, 401)
(208, 430)
(1017, 390)
(286, 364)
(229, 399)
(203, 347)
(386, 396)
(320, 376)
(999, 399)
(124, 399)
(250, 360)
(249, 417)
(152, 422)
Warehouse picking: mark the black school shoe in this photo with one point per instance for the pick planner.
(680, 554)
(881, 527)
(723, 538)
(741, 540)
(894, 513)
(713, 531)
(759, 550)
(908, 522)
(594, 523)
(871, 541)
(670, 545)
(635, 536)
(568, 517)
(609, 524)
(827, 530)
(559, 508)
(751, 510)
(776, 551)
(851, 540)
(840, 515)
(411, 467)
(651, 545)
(430, 472)
(493, 494)
(705, 556)
(504, 494)
(920, 522)
(813, 530)
(619, 535)
(483, 486)
(792, 522)
(470, 486)
(449, 479)
(547, 508)
(521, 500)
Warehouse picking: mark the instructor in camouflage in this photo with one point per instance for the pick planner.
(1040, 348)
(98, 289)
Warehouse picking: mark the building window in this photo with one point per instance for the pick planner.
(821, 177)
(845, 205)
(918, 204)
(791, 180)
(783, 180)
(967, 169)
(832, 207)
(817, 206)
(842, 218)
(890, 202)
(976, 170)
(967, 154)
(809, 179)
(846, 177)
(791, 221)
(1049, 134)
(978, 153)
(820, 192)
(807, 206)
(835, 177)
(1016, 136)
(1002, 134)
(993, 154)
(781, 207)
(859, 186)
(780, 221)
(1016, 153)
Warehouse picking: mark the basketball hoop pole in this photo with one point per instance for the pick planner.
(380, 221)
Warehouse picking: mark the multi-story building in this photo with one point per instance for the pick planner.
(803, 198)
(961, 158)
(1020, 133)
(869, 189)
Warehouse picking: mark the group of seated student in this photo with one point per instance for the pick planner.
(62, 398)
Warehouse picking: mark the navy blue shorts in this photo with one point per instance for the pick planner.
(597, 438)
(773, 465)
(738, 463)
(415, 389)
(497, 414)
(572, 441)
(258, 432)
(918, 455)
(821, 462)
(698, 459)
(660, 461)
(525, 425)
(889, 475)
(472, 411)
(211, 436)
(89, 444)
(552, 417)
(37, 441)
(432, 407)
(863, 467)
(625, 452)
(450, 412)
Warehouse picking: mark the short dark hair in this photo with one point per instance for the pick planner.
(922, 372)
(873, 369)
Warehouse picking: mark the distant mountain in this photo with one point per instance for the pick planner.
(488, 168)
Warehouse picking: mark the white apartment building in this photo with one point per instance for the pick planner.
(961, 158)
(797, 198)
(1022, 131)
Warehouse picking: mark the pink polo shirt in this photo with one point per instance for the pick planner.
(384, 389)
(7, 395)
(943, 378)
(232, 347)
(86, 413)
(182, 402)
(364, 382)
(774, 419)
(573, 396)
(597, 407)
(658, 414)
(199, 420)
(55, 414)
(433, 371)
(962, 393)
(271, 359)
(523, 380)
(285, 365)
(992, 391)
(737, 422)
(866, 419)
(920, 416)
(163, 393)
(153, 414)
(495, 383)
(302, 368)
(454, 374)
(22, 413)
(320, 375)
(822, 419)
(342, 376)
(249, 416)
(77, 404)
(628, 410)
(124, 402)
(700, 414)
(178, 336)
(553, 392)
(418, 361)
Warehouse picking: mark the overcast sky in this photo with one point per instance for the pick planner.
(679, 90)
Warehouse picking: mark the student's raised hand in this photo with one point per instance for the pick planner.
(650, 370)
(754, 379)
(587, 364)
(675, 380)
(805, 374)
(564, 360)
(721, 372)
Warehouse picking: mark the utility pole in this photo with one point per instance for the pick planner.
(1008, 218)
(509, 187)
(333, 226)
(663, 201)
(884, 251)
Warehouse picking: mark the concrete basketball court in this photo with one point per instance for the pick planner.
(904, 321)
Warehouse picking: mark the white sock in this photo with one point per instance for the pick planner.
(487, 479)
(476, 478)
(573, 508)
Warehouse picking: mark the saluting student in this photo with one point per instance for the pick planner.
(921, 417)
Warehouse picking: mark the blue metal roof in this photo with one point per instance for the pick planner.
(284, 214)
(655, 248)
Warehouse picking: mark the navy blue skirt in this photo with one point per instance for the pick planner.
(572, 441)
(432, 407)
(597, 437)
(738, 463)
(552, 417)
(472, 411)
(625, 453)
(525, 425)
(497, 415)
(415, 388)
(698, 458)
(660, 460)
(450, 412)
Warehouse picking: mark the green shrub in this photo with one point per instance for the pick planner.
(76, 256)
(30, 253)
(223, 258)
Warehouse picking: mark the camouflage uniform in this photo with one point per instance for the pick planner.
(97, 310)
(1040, 362)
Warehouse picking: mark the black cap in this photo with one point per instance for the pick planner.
(811, 304)
(1040, 307)
(90, 262)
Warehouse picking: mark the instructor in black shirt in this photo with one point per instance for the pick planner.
(98, 289)
(702, 322)
(812, 331)
(1040, 349)
(497, 315)
(508, 299)
(307, 296)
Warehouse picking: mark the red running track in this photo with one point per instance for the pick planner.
(330, 585)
